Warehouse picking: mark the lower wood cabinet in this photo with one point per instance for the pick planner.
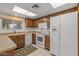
(8, 53)
(33, 38)
(47, 42)
(19, 40)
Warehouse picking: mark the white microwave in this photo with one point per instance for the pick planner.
(42, 25)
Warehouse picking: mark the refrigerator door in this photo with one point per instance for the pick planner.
(69, 39)
(54, 35)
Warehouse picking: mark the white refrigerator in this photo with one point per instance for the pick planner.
(63, 35)
(54, 35)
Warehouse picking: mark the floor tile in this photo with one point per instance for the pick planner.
(40, 52)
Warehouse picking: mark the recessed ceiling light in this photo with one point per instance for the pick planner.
(55, 5)
(19, 10)
(30, 14)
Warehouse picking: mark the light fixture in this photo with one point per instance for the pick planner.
(30, 14)
(23, 11)
(19, 10)
(55, 5)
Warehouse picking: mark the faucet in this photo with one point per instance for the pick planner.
(14, 31)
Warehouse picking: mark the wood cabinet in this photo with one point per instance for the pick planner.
(8, 53)
(47, 42)
(19, 40)
(33, 38)
(14, 39)
(35, 23)
(28, 23)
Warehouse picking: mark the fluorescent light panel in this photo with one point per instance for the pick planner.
(55, 5)
(19, 10)
(31, 14)
(23, 11)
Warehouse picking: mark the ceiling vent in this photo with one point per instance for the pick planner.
(35, 6)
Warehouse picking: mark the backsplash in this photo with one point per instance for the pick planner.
(38, 30)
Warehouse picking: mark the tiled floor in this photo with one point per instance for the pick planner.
(40, 52)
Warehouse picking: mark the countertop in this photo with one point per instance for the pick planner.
(6, 43)
(11, 34)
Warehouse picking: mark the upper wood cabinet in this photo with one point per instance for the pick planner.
(28, 23)
(36, 23)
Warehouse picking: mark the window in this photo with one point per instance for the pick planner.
(10, 24)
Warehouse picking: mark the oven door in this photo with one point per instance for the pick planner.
(40, 40)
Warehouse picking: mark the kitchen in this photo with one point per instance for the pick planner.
(52, 32)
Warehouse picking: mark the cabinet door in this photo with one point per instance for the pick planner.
(14, 39)
(33, 38)
(36, 23)
(68, 34)
(21, 41)
(28, 23)
(47, 42)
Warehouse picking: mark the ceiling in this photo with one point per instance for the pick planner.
(43, 10)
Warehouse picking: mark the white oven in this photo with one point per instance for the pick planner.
(40, 40)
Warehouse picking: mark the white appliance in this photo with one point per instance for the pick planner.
(28, 38)
(54, 35)
(40, 40)
(0, 24)
(42, 25)
(63, 35)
